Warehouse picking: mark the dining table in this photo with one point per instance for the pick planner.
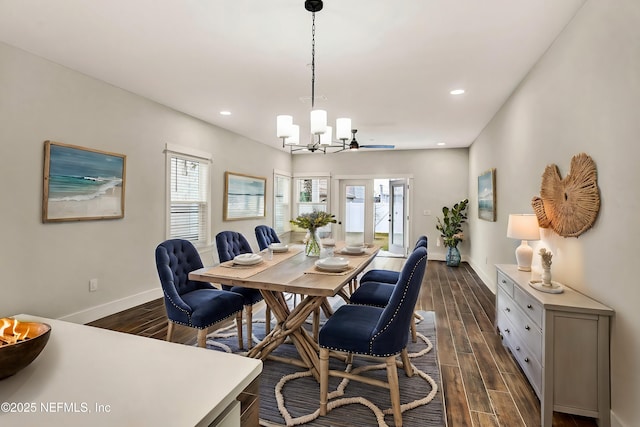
(294, 272)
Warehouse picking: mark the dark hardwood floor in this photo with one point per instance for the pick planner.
(481, 384)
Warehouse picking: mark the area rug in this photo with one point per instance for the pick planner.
(289, 395)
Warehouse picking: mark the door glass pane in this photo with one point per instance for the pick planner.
(397, 225)
(354, 214)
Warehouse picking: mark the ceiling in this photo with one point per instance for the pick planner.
(389, 66)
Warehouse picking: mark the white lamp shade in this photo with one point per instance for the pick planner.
(284, 125)
(318, 122)
(327, 136)
(343, 128)
(294, 139)
(523, 227)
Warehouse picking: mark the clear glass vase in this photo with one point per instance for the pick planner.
(312, 244)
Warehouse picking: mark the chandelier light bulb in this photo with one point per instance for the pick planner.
(343, 128)
(294, 139)
(284, 125)
(326, 138)
(318, 122)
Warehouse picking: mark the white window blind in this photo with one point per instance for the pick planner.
(189, 199)
(311, 194)
(281, 203)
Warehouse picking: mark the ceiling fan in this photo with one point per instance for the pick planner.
(354, 145)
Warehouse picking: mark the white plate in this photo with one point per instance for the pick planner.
(353, 250)
(334, 261)
(247, 259)
(328, 242)
(279, 247)
(333, 264)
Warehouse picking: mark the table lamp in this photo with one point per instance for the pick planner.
(524, 227)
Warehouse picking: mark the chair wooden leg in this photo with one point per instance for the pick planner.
(169, 330)
(267, 320)
(202, 337)
(414, 332)
(239, 328)
(249, 317)
(394, 389)
(324, 379)
(406, 363)
(316, 323)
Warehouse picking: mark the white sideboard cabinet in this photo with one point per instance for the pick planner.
(561, 342)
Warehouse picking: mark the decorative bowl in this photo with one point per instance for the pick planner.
(15, 356)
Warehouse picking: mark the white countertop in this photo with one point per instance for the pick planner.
(90, 376)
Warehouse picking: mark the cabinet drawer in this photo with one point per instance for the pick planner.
(522, 325)
(532, 308)
(528, 363)
(505, 283)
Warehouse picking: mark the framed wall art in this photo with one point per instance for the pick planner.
(487, 195)
(82, 183)
(244, 196)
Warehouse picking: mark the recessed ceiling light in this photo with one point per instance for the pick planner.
(441, 144)
(457, 92)
(225, 113)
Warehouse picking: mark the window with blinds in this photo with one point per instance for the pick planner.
(281, 203)
(189, 199)
(312, 194)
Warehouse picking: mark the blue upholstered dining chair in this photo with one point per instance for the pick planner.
(374, 331)
(191, 303)
(265, 236)
(376, 287)
(231, 244)
(388, 276)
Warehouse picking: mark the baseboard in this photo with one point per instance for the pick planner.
(489, 282)
(112, 307)
(615, 421)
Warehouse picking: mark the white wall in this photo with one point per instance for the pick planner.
(439, 178)
(582, 96)
(46, 267)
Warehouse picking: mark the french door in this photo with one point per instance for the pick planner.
(398, 216)
(356, 211)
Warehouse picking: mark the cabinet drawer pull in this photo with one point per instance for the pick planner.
(508, 310)
(518, 348)
(526, 359)
(507, 331)
(504, 281)
(529, 306)
(528, 328)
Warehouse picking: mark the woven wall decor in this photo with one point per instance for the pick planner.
(569, 206)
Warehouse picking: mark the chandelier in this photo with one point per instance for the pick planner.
(321, 134)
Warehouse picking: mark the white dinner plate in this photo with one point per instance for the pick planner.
(279, 247)
(352, 250)
(335, 264)
(328, 242)
(332, 269)
(247, 259)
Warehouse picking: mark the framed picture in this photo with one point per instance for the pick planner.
(82, 183)
(487, 195)
(244, 196)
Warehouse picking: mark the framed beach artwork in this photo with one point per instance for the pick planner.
(244, 196)
(82, 183)
(487, 195)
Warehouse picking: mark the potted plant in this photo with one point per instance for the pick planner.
(312, 222)
(450, 228)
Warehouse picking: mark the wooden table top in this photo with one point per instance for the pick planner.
(295, 274)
